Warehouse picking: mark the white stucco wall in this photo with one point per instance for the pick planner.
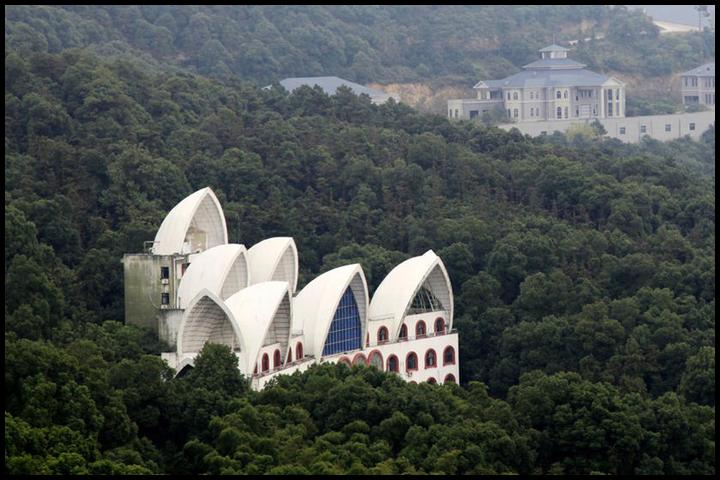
(655, 126)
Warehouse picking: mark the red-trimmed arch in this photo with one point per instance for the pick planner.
(420, 329)
(277, 359)
(375, 354)
(382, 335)
(431, 358)
(360, 356)
(411, 356)
(449, 355)
(390, 368)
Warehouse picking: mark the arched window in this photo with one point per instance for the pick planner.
(376, 360)
(566, 94)
(359, 359)
(420, 330)
(450, 378)
(566, 112)
(558, 94)
(430, 359)
(265, 362)
(276, 359)
(411, 361)
(515, 112)
(298, 351)
(403, 332)
(559, 112)
(432, 381)
(345, 332)
(382, 335)
(515, 96)
(289, 359)
(449, 356)
(439, 326)
(508, 95)
(392, 364)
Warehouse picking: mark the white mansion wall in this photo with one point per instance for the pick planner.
(655, 126)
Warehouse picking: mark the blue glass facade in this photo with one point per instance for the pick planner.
(345, 330)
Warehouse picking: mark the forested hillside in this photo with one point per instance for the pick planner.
(385, 44)
(583, 272)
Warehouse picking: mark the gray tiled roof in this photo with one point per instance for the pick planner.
(551, 78)
(554, 48)
(707, 70)
(491, 83)
(559, 63)
(329, 85)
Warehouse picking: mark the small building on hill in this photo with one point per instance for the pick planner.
(698, 86)
(331, 84)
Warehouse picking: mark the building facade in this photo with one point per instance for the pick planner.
(331, 84)
(631, 129)
(698, 86)
(193, 287)
(551, 88)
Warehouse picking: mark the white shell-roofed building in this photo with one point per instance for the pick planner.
(275, 259)
(223, 270)
(195, 224)
(214, 291)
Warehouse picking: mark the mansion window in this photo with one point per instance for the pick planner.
(559, 112)
(622, 130)
(566, 94)
(566, 112)
(692, 126)
(515, 95)
(515, 112)
(668, 127)
(508, 95)
(558, 94)
(643, 128)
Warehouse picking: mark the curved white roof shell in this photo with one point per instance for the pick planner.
(395, 294)
(222, 269)
(208, 319)
(196, 223)
(274, 259)
(314, 307)
(263, 312)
